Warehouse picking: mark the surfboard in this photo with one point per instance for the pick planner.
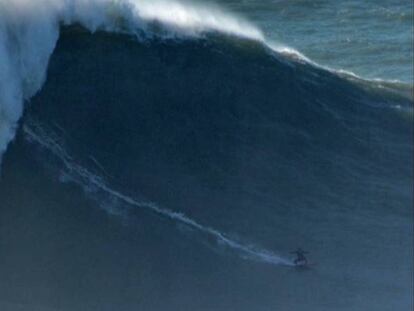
(304, 265)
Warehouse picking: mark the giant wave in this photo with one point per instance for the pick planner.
(193, 118)
(29, 31)
(165, 112)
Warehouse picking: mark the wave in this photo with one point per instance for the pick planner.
(212, 128)
(29, 31)
(169, 123)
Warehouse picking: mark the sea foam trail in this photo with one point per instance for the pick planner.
(86, 179)
(29, 31)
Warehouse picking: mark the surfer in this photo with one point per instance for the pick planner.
(300, 256)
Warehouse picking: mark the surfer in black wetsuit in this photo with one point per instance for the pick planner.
(300, 256)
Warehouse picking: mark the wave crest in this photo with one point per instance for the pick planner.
(29, 31)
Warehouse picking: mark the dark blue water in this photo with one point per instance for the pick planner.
(160, 172)
(259, 154)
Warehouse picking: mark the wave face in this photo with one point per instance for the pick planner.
(182, 161)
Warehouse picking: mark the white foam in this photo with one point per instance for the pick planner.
(88, 180)
(401, 87)
(193, 19)
(29, 30)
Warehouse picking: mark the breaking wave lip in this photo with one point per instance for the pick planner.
(394, 86)
(398, 87)
(34, 133)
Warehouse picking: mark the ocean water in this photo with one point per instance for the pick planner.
(373, 39)
(163, 155)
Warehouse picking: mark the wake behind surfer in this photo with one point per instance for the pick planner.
(300, 256)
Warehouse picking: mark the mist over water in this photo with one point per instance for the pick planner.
(169, 155)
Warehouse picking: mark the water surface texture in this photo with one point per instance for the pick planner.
(373, 39)
(171, 155)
